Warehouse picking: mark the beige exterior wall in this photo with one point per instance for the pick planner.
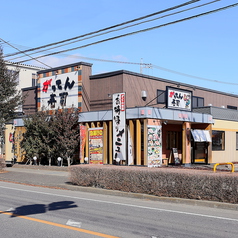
(230, 154)
(25, 74)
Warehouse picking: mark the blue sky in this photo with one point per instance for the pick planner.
(204, 47)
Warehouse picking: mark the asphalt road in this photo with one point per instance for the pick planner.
(31, 211)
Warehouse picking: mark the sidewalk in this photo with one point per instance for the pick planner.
(36, 175)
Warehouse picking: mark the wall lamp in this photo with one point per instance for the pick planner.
(143, 95)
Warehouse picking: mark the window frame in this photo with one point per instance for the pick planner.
(161, 94)
(236, 140)
(219, 137)
(196, 99)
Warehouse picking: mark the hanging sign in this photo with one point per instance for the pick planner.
(179, 99)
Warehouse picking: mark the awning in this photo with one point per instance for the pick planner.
(201, 135)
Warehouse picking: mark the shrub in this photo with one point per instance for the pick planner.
(165, 182)
(2, 164)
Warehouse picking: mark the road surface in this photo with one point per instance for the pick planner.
(31, 211)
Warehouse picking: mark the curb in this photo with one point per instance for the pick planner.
(192, 202)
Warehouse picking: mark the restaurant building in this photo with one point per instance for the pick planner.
(134, 119)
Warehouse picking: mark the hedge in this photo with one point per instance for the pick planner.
(163, 182)
(2, 164)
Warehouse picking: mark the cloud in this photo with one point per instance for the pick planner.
(119, 58)
(54, 61)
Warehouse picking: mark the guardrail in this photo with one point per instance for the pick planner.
(232, 166)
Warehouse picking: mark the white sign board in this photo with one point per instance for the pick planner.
(59, 91)
(179, 99)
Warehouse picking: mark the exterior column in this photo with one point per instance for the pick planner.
(105, 144)
(145, 144)
(186, 152)
(110, 140)
(132, 133)
(87, 142)
(138, 142)
(209, 148)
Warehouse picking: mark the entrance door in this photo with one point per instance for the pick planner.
(199, 152)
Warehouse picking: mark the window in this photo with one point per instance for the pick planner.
(33, 80)
(160, 96)
(173, 140)
(218, 140)
(198, 102)
(236, 140)
(231, 107)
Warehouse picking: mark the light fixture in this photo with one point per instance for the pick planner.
(165, 122)
(143, 95)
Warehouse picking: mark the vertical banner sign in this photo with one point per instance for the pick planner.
(119, 126)
(154, 146)
(82, 142)
(96, 145)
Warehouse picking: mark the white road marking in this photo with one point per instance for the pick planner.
(10, 209)
(73, 223)
(124, 204)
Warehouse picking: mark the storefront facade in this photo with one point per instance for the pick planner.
(152, 135)
(159, 119)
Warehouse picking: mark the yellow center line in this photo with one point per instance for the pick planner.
(59, 225)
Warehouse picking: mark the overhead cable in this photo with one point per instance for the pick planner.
(107, 28)
(136, 32)
(191, 76)
(24, 53)
(117, 29)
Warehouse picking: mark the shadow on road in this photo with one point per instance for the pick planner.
(41, 208)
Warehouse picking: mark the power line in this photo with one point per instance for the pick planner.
(24, 53)
(108, 28)
(136, 32)
(161, 68)
(118, 29)
(191, 76)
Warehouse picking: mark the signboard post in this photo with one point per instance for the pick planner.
(174, 158)
(154, 146)
(96, 145)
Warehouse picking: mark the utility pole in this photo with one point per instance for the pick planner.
(145, 66)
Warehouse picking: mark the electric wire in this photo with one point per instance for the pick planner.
(24, 53)
(108, 28)
(122, 28)
(149, 65)
(136, 32)
(192, 76)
